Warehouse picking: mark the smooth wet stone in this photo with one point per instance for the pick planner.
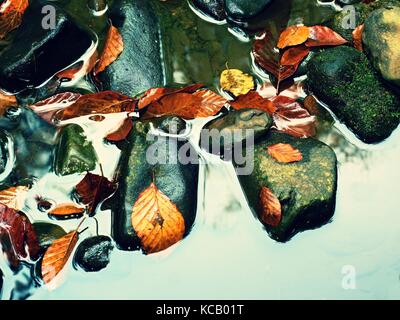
(33, 141)
(3, 151)
(74, 154)
(36, 54)
(47, 233)
(305, 189)
(245, 9)
(139, 67)
(172, 125)
(381, 39)
(93, 254)
(234, 129)
(343, 78)
(213, 8)
(135, 173)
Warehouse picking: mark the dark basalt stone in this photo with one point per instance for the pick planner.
(213, 8)
(36, 54)
(136, 172)
(139, 67)
(245, 9)
(93, 254)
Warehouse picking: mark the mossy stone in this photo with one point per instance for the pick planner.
(305, 189)
(74, 154)
(343, 78)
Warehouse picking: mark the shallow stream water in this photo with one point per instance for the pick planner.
(228, 254)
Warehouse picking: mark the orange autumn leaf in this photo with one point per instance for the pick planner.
(57, 255)
(11, 13)
(271, 209)
(6, 102)
(253, 100)
(122, 132)
(67, 210)
(112, 49)
(285, 153)
(324, 36)
(14, 197)
(156, 220)
(293, 36)
(357, 37)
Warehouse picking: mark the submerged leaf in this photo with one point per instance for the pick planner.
(271, 209)
(156, 220)
(14, 197)
(236, 82)
(11, 13)
(285, 153)
(253, 100)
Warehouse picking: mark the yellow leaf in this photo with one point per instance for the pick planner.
(57, 256)
(156, 220)
(14, 197)
(236, 82)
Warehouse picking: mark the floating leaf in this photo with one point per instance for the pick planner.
(201, 104)
(357, 37)
(7, 102)
(295, 90)
(21, 241)
(14, 197)
(254, 101)
(271, 210)
(293, 36)
(11, 13)
(57, 255)
(46, 109)
(67, 211)
(285, 153)
(112, 49)
(236, 82)
(324, 36)
(155, 94)
(122, 132)
(102, 102)
(156, 220)
(292, 118)
(94, 189)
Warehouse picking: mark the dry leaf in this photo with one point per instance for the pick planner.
(324, 36)
(253, 100)
(11, 13)
(67, 211)
(236, 82)
(357, 37)
(293, 36)
(14, 197)
(112, 49)
(57, 255)
(7, 102)
(271, 210)
(285, 153)
(156, 220)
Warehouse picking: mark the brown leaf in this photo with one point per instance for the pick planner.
(57, 255)
(155, 94)
(254, 101)
(201, 104)
(112, 49)
(156, 220)
(294, 56)
(122, 132)
(357, 37)
(46, 109)
(81, 68)
(11, 13)
(14, 197)
(102, 102)
(94, 189)
(324, 36)
(67, 211)
(293, 36)
(7, 102)
(292, 118)
(285, 153)
(271, 210)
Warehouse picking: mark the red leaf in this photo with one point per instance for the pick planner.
(271, 209)
(324, 36)
(46, 109)
(254, 101)
(294, 56)
(21, 235)
(122, 132)
(292, 118)
(94, 189)
(357, 37)
(155, 94)
(11, 13)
